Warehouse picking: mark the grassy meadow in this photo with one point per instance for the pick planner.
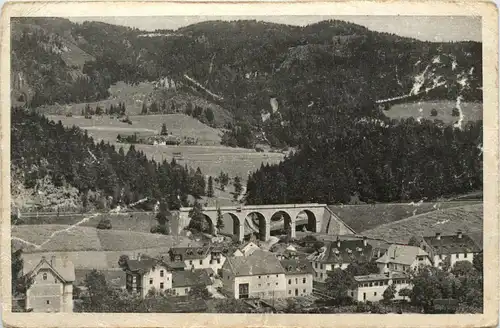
(472, 111)
(467, 218)
(64, 238)
(209, 155)
(369, 216)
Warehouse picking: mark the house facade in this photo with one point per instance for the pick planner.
(259, 275)
(52, 287)
(145, 274)
(403, 258)
(184, 281)
(298, 276)
(338, 254)
(198, 257)
(371, 287)
(450, 249)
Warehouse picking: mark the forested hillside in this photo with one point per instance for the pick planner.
(44, 149)
(272, 78)
(398, 161)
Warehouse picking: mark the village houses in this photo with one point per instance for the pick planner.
(265, 275)
(299, 277)
(145, 274)
(184, 281)
(371, 287)
(402, 258)
(339, 254)
(203, 257)
(451, 248)
(52, 285)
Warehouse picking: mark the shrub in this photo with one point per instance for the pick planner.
(104, 224)
(434, 112)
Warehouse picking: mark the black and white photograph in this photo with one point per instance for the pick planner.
(265, 164)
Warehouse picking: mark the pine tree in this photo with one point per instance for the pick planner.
(238, 187)
(220, 222)
(164, 130)
(210, 187)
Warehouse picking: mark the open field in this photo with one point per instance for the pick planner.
(369, 216)
(64, 238)
(107, 129)
(210, 157)
(132, 95)
(468, 218)
(134, 222)
(472, 111)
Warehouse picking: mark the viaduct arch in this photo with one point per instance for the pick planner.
(245, 218)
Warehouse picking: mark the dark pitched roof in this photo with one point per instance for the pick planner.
(63, 268)
(347, 251)
(452, 244)
(190, 253)
(259, 263)
(190, 278)
(381, 276)
(144, 264)
(299, 266)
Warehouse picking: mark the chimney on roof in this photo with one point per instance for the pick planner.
(365, 241)
(438, 235)
(459, 234)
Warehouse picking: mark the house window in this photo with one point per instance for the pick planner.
(316, 265)
(352, 294)
(201, 262)
(190, 262)
(321, 275)
(457, 255)
(289, 281)
(304, 280)
(218, 261)
(48, 302)
(374, 293)
(276, 276)
(304, 290)
(44, 277)
(161, 285)
(267, 277)
(150, 281)
(289, 292)
(186, 290)
(465, 255)
(296, 281)
(364, 296)
(259, 277)
(276, 284)
(161, 273)
(321, 266)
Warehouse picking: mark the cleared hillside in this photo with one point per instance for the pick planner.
(369, 216)
(64, 238)
(467, 218)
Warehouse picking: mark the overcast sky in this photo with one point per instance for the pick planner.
(427, 28)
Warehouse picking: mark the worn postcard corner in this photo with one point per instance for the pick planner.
(249, 164)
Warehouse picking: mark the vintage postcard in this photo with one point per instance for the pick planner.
(249, 164)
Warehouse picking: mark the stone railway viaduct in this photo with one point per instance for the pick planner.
(318, 218)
